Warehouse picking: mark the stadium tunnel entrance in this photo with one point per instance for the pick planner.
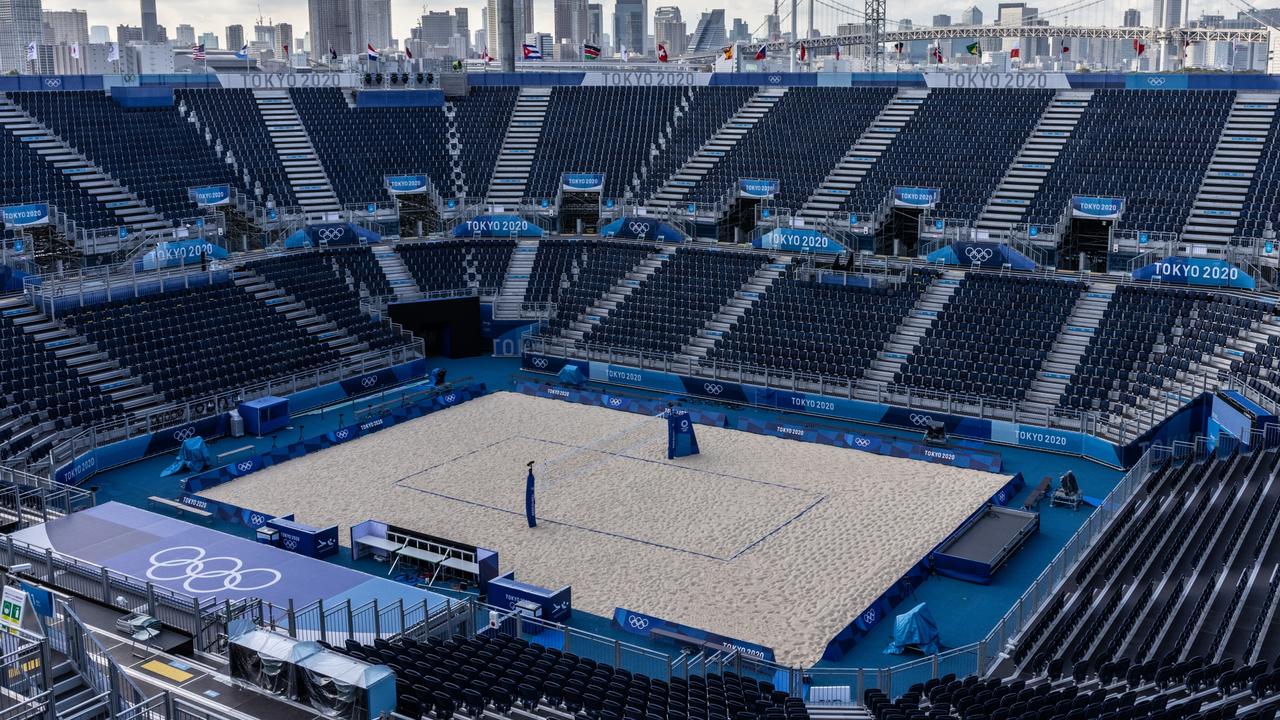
(418, 214)
(579, 207)
(902, 233)
(1087, 242)
(740, 221)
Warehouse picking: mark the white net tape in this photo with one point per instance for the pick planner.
(578, 461)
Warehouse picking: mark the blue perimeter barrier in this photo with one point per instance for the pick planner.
(86, 465)
(232, 471)
(641, 406)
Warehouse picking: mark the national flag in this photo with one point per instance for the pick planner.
(31, 50)
(286, 50)
(197, 53)
(973, 48)
(762, 53)
(1015, 52)
(114, 55)
(373, 54)
(1065, 49)
(243, 54)
(804, 52)
(1139, 47)
(1186, 44)
(662, 52)
(531, 52)
(408, 53)
(837, 53)
(75, 50)
(937, 54)
(625, 54)
(484, 55)
(728, 52)
(897, 47)
(333, 54)
(590, 52)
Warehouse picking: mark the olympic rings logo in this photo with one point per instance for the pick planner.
(184, 434)
(245, 466)
(539, 362)
(615, 402)
(451, 398)
(978, 254)
(920, 420)
(639, 228)
(369, 381)
(342, 434)
(712, 388)
(330, 234)
(189, 564)
(1155, 81)
(862, 442)
(257, 520)
(870, 616)
(290, 543)
(637, 622)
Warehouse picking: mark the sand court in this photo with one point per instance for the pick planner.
(772, 541)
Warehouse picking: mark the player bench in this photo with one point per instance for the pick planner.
(1037, 494)
(155, 500)
(687, 641)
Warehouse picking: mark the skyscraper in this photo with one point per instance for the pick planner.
(522, 21)
(210, 41)
(99, 34)
(595, 23)
(235, 37)
(20, 23)
(971, 16)
(630, 25)
(709, 36)
(374, 26)
(125, 34)
(66, 27)
(330, 27)
(741, 31)
(462, 26)
(571, 21)
(1168, 13)
(942, 21)
(184, 35)
(669, 29)
(149, 21)
(1132, 18)
(284, 36)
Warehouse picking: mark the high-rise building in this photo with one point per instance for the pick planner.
(480, 39)
(184, 35)
(330, 23)
(235, 37)
(971, 16)
(709, 36)
(284, 36)
(149, 21)
(374, 26)
(126, 34)
(436, 28)
(522, 20)
(595, 24)
(542, 41)
(70, 27)
(462, 28)
(1132, 18)
(1168, 13)
(669, 29)
(630, 20)
(20, 23)
(741, 31)
(99, 34)
(942, 21)
(773, 26)
(210, 41)
(162, 34)
(571, 21)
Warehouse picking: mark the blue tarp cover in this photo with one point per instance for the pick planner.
(572, 375)
(194, 455)
(915, 627)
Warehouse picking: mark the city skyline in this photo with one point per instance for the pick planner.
(404, 13)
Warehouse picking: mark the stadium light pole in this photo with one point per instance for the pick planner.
(874, 11)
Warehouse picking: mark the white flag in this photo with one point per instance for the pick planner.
(31, 50)
(624, 53)
(75, 50)
(114, 55)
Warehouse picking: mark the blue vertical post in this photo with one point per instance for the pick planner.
(529, 510)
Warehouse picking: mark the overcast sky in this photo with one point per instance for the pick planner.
(216, 15)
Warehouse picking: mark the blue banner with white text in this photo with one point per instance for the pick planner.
(25, 215)
(1096, 208)
(799, 240)
(915, 197)
(582, 182)
(497, 226)
(1198, 271)
(211, 195)
(406, 184)
(757, 189)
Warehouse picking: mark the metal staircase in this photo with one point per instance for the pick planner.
(906, 338)
(675, 189)
(1012, 197)
(1226, 184)
(519, 269)
(307, 178)
(398, 276)
(515, 160)
(723, 322)
(857, 162)
(1068, 348)
(292, 308)
(128, 208)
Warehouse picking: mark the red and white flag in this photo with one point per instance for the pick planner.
(1015, 52)
(804, 52)
(1139, 47)
(662, 52)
